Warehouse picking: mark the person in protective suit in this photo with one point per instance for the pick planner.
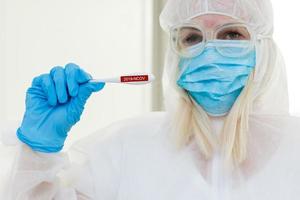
(227, 133)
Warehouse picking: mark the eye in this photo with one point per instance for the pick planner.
(233, 36)
(189, 36)
(234, 33)
(192, 39)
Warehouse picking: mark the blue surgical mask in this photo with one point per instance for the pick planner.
(215, 81)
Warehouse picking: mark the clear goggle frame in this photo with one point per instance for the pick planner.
(190, 39)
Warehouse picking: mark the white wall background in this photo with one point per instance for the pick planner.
(287, 32)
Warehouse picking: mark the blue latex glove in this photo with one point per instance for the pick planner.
(54, 103)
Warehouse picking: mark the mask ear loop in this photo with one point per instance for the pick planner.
(261, 37)
(258, 74)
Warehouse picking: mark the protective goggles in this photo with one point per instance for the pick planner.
(189, 39)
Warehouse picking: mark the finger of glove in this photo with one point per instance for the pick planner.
(75, 76)
(85, 91)
(58, 76)
(47, 85)
(82, 76)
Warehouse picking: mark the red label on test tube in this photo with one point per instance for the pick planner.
(138, 78)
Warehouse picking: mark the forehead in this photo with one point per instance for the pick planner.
(210, 21)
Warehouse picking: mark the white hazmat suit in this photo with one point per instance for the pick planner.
(136, 159)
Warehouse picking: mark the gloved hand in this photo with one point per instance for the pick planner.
(54, 103)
